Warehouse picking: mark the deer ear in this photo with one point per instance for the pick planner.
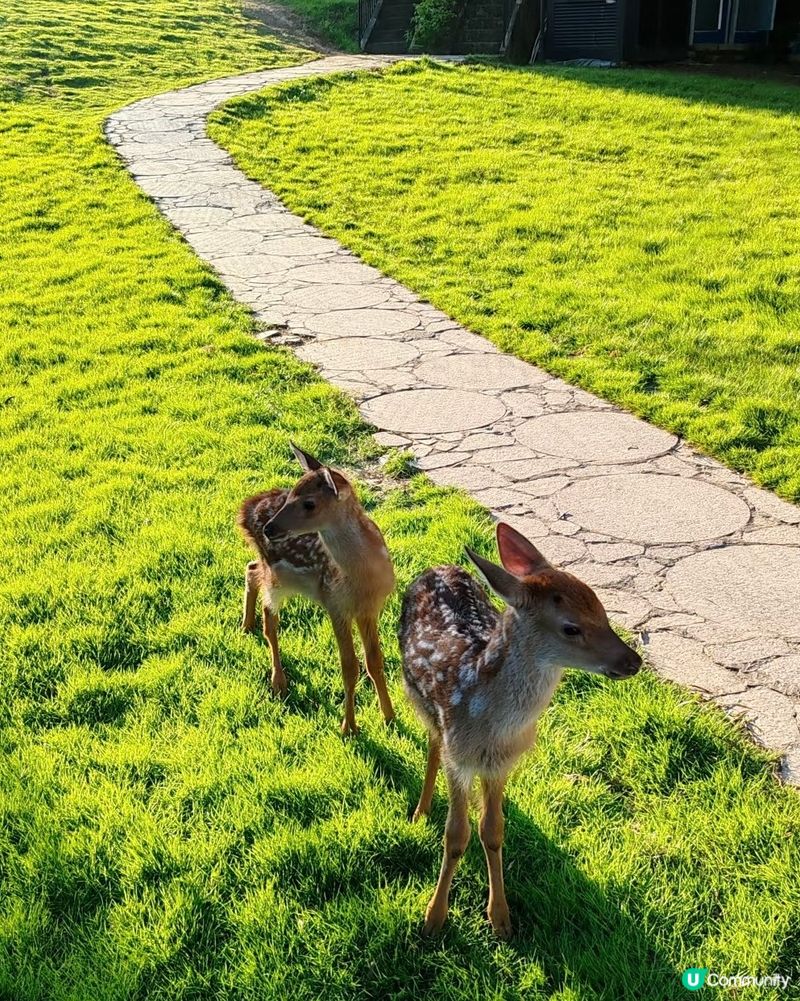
(308, 462)
(341, 482)
(519, 556)
(504, 584)
(328, 476)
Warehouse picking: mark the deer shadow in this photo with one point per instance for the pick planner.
(563, 921)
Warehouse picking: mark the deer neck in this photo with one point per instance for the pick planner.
(356, 546)
(528, 668)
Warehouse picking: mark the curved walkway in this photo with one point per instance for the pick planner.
(703, 565)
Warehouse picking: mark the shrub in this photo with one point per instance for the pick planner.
(433, 20)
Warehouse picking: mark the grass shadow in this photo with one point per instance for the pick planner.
(563, 921)
(702, 88)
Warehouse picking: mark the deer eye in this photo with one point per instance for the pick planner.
(571, 631)
(309, 504)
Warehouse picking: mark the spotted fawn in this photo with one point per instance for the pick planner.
(316, 540)
(479, 679)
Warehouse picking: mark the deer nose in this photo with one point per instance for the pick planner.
(271, 530)
(626, 665)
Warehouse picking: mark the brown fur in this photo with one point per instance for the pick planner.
(479, 679)
(316, 540)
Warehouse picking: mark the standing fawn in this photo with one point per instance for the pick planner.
(316, 540)
(479, 679)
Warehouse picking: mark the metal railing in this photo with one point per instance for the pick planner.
(367, 16)
(510, 9)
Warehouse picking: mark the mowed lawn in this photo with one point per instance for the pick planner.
(636, 232)
(167, 830)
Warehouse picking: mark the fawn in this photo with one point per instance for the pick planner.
(479, 679)
(316, 540)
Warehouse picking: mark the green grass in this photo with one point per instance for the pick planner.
(168, 831)
(635, 232)
(96, 54)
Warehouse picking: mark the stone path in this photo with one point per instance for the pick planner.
(703, 565)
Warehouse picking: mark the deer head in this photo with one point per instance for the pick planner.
(567, 614)
(314, 503)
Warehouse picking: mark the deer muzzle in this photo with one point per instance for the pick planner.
(625, 666)
(273, 530)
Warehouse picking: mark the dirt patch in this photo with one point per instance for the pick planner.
(286, 24)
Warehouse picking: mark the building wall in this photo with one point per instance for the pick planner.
(585, 29)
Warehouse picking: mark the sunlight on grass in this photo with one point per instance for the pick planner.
(100, 53)
(167, 830)
(635, 232)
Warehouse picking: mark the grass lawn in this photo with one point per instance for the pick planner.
(635, 232)
(167, 830)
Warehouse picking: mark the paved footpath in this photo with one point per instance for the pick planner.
(704, 566)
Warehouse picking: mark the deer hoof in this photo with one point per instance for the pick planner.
(349, 728)
(501, 923)
(419, 814)
(280, 686)
(435, 918)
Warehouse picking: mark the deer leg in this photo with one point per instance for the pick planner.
(368, 627)
(350, 668)
(278, 679)
(492, 826)
(429, 784)
(456, 838)
(252, 584)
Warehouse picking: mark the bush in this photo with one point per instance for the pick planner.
(433, 20)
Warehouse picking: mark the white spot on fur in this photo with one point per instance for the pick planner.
(467, 676)
(478, 704)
